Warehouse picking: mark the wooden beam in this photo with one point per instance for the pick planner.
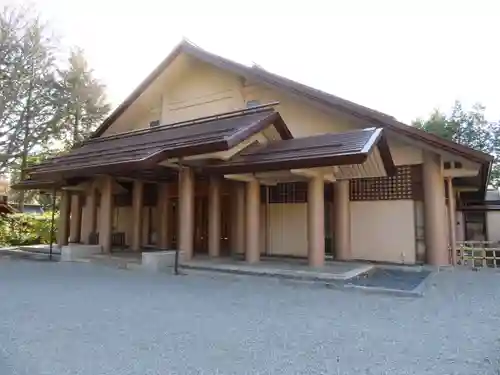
(240, 177)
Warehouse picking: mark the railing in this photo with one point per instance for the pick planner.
(477, 254)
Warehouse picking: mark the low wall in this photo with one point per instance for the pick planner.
(74, 252)
(157, 261)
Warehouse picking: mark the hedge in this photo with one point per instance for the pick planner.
(26, 229)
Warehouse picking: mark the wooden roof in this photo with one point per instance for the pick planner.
(145, 148)
(28, 184)
(318, 98)
(309, 152)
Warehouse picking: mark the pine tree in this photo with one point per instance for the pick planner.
(83, 100)
(29, 112)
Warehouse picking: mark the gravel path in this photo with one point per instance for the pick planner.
(83, 319)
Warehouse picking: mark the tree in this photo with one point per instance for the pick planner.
(45, 106)
(83, 100)
(469, 128)
(28, 92)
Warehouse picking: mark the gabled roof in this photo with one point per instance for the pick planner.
(332, 149)
(327, 100)
(144, 148)
(319, 98)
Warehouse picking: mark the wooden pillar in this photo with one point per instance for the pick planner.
(316, 221)
(162, 207)
(214, 217)
(64, 216)
(434, 211)
(452, 221)
(89, 220)
(186, 212)
(106, 214)
(252, 251)
(75, 228)
(342, 220)
(239, 218)
(137, 219)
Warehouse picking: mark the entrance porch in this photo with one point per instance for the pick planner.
(237, 183)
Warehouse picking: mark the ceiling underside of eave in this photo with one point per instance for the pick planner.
(372, 167)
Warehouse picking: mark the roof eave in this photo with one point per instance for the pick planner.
(288, 164)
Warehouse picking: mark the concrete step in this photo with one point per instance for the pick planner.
(116, 262)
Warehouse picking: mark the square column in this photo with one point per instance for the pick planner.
(214, 217)
(342, 232)
(64, 214)
(238, 219)
(75, 228)
(316, 221)
(89, 221)
(106, 214)
(452, 221)
(252, 251)
(162, 207)
(186, 212)
(137, 203)
(436, 241)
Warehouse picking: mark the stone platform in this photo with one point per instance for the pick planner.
(281, 267)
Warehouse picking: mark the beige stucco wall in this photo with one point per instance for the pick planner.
(493, 225)
(403, 153)
(287, 230)
(196, 89)
(460, 226)
(383, 231)
(122, 222)
(301, 118)
(202, 91)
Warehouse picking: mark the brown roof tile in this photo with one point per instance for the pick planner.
(309, 152)
(145, 148)
(319, 97)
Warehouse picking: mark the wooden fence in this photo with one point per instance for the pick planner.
(477, 254)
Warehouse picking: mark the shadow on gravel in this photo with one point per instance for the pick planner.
(391, 279)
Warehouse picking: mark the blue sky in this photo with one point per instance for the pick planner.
(400, 57)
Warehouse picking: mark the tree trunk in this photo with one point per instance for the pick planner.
(26, 141)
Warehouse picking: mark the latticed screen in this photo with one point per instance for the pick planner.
(404, 184)
(288, 193)
(291, 192)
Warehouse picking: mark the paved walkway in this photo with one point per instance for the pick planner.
(80, 318)
(279, 267)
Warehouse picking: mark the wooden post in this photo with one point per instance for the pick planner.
(452, 221)
(106, 214)
(137, 203)
(214, 217)
(252, 251)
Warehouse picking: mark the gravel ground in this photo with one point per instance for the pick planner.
(74, 318)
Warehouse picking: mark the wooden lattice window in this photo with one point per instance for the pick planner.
(404, 184)
(295, 192)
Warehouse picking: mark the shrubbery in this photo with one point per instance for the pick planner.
(26, 229)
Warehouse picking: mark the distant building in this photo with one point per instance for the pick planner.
(9, 208)
(34, 209)
(5, 208)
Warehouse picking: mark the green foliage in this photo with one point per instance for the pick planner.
(469, 128)
(25, 229)
(83, 101)
(46, 106)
